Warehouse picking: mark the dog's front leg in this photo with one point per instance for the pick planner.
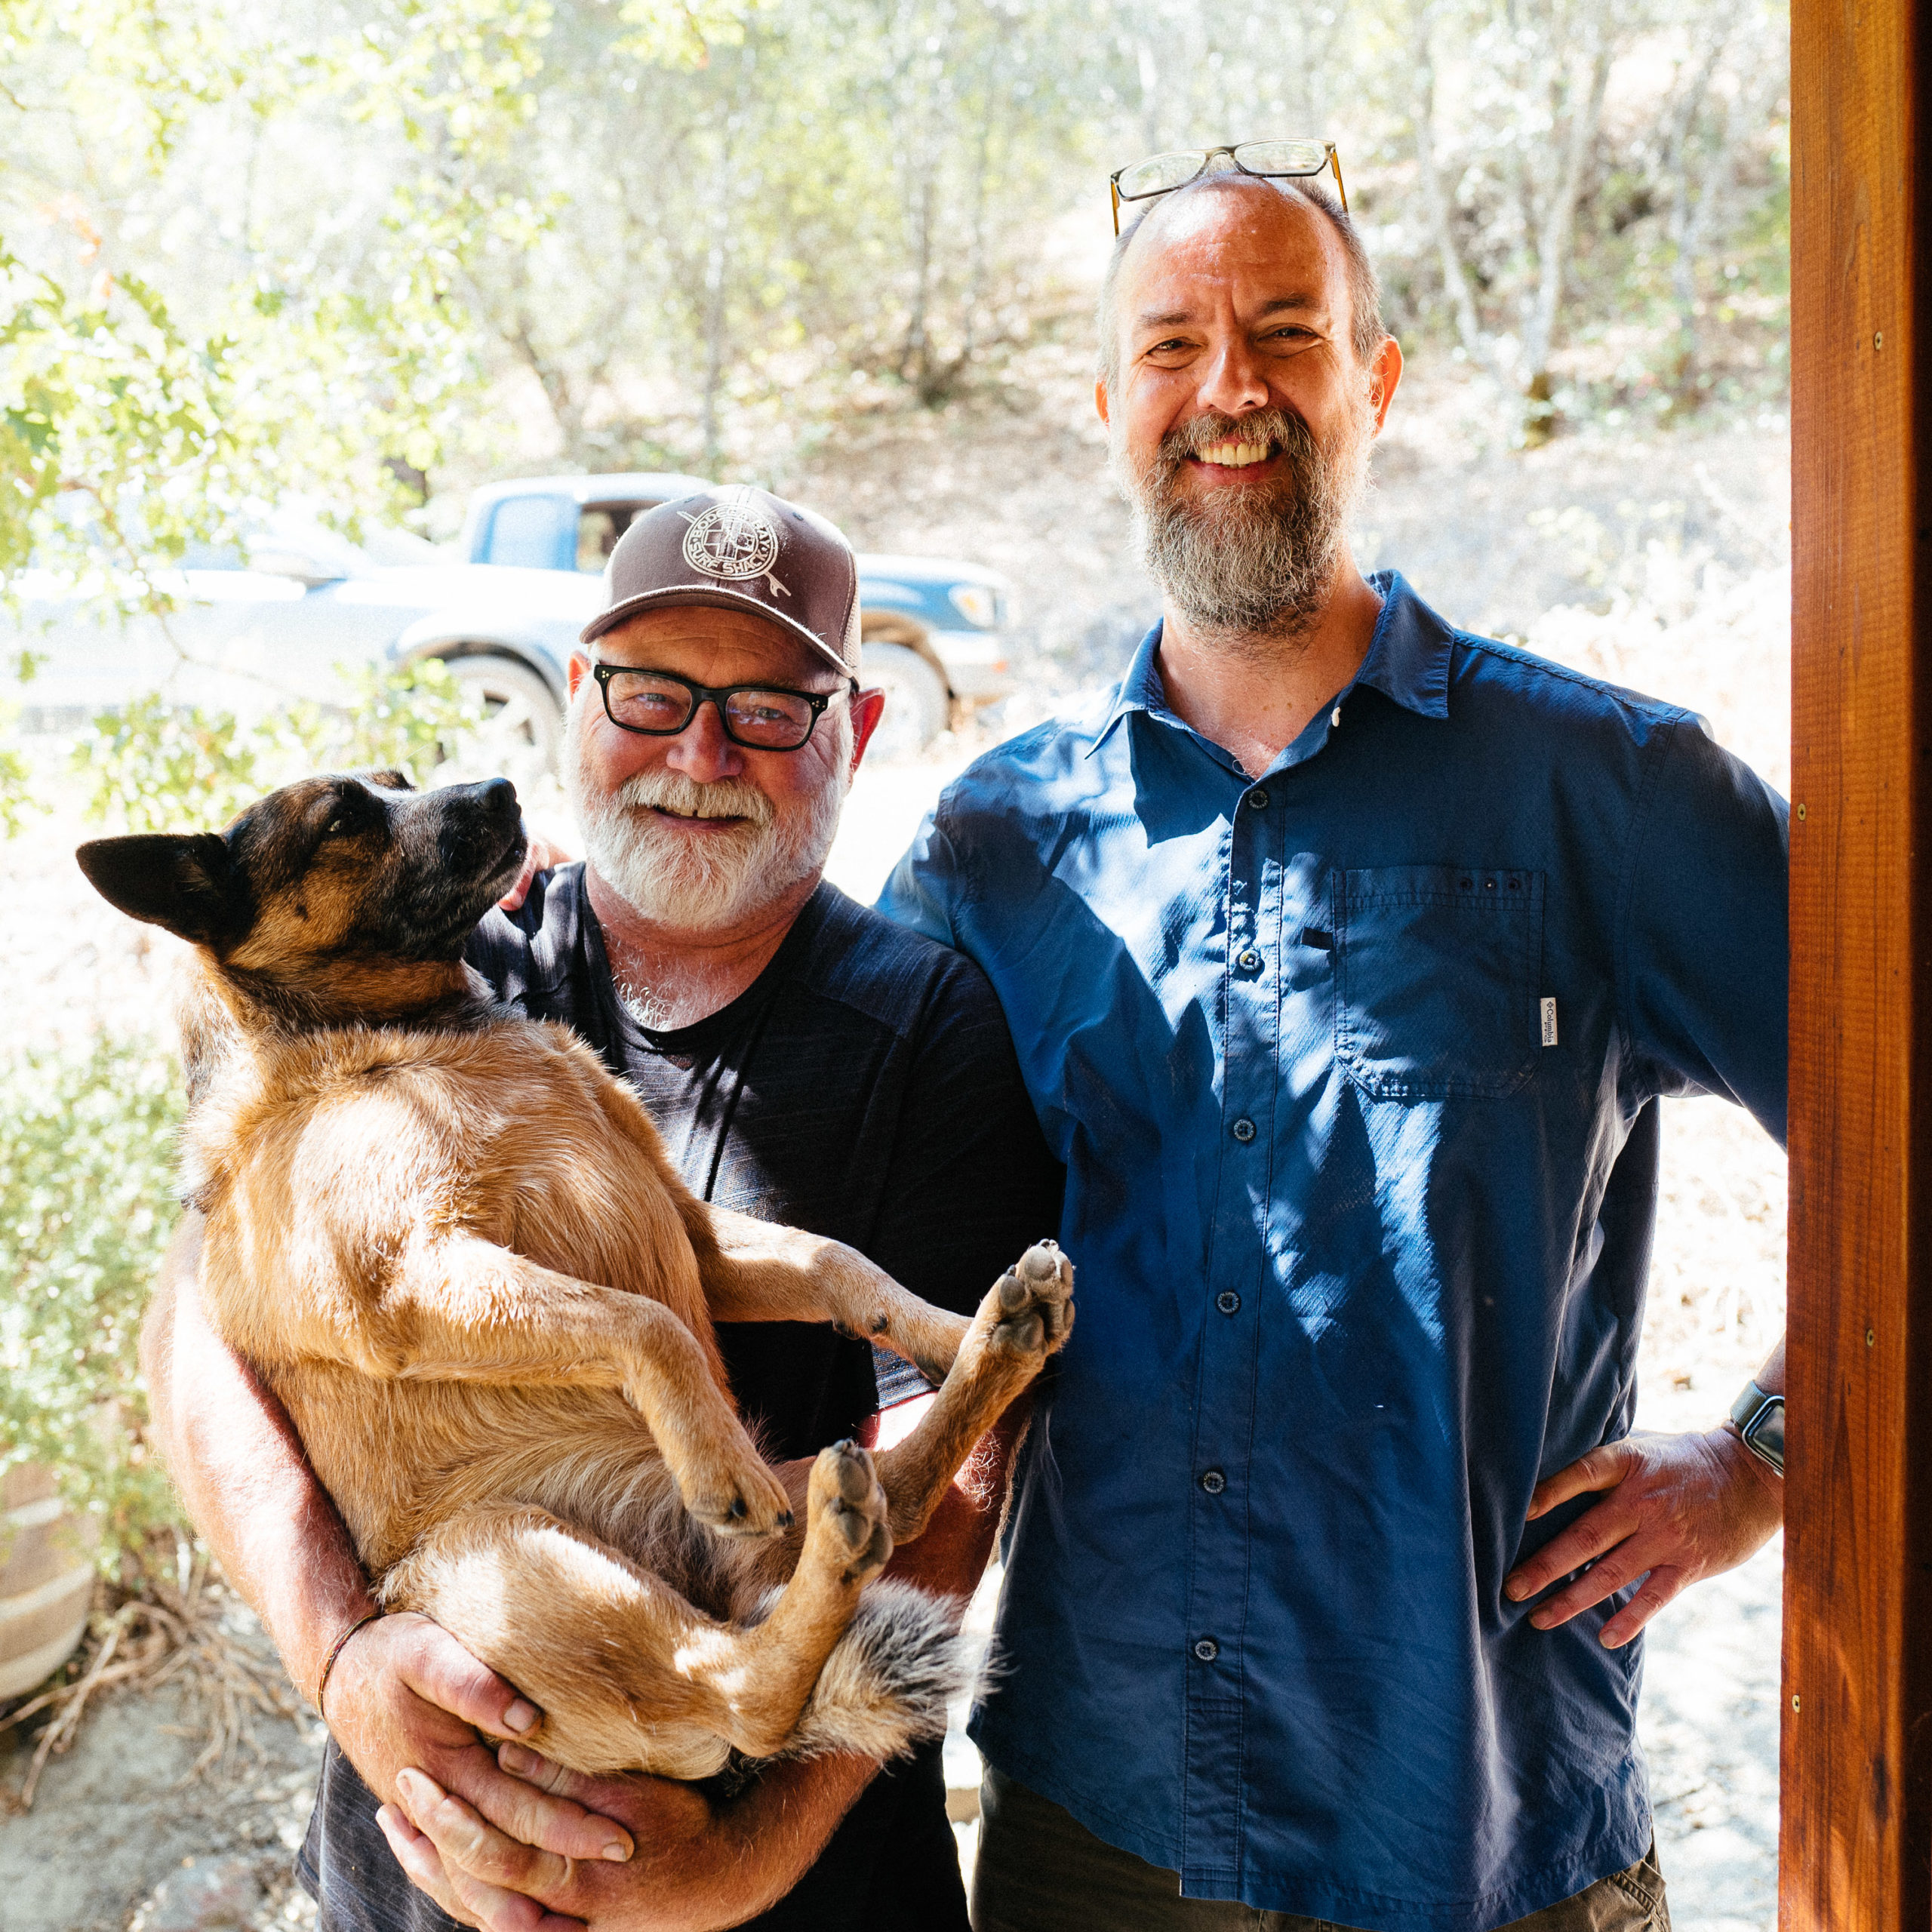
(756, 1271)
(465, 1309)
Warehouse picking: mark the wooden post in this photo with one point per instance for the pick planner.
(1857, 1845)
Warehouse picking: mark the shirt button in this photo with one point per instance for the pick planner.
(1243, 1129)
(1249, 961)
(1257, 800)
(1213, 1482)
(1206, 1650)
(1228, 1302)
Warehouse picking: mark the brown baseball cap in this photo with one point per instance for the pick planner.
(739, 549)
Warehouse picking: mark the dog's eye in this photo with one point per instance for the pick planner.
(336, 826)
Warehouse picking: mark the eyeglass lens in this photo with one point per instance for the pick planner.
(1282, 157)
(772, 720)
(1162, 174)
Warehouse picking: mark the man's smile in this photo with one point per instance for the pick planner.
(699, 822)
(1250, 458)
(1231, 453)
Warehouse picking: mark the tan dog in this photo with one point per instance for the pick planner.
(451, 1244)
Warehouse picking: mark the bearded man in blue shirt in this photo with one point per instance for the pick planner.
(1349, 956)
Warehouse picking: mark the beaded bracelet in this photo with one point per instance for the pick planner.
(336, 1650)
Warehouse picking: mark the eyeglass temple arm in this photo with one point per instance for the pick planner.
(1335, 162)
(1113, 189)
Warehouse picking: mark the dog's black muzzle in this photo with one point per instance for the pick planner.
(466, 845)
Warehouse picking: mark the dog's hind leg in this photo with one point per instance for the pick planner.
(628, 1673)
(1026, 1314)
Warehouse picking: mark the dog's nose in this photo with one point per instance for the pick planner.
(497, 796)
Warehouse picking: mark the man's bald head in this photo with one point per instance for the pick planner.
(1366, 332)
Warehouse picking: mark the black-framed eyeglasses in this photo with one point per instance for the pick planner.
(1162, 173)
(659, 704)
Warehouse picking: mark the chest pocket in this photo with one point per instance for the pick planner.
(1436, 973)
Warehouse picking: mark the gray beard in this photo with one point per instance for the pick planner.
(662, 878)
(1252, 562)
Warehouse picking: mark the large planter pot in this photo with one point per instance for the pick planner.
(46, 1579)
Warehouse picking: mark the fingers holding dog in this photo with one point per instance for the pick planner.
(407, 1698)
(473, 1871)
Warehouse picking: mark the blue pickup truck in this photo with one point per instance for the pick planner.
(931, 627)
(279, 613)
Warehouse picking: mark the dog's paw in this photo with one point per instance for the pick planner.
(845, 1513)
(1029, 1311)
(736, 1496)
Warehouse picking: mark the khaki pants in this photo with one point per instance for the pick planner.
(1040, 1870)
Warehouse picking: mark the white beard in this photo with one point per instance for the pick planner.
(699, 885)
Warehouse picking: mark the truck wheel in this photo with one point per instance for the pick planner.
(523, 726)
(915, 698)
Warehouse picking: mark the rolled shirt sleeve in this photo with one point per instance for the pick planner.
(1704, 962)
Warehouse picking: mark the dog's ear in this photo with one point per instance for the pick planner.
(387, 781)
(186, 881)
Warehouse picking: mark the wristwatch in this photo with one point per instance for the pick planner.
(1759, 1422)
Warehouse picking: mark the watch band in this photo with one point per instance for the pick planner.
(1760, 1422)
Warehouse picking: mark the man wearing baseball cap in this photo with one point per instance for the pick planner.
(804, 1059)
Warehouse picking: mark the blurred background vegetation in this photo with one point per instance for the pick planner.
(388, 247)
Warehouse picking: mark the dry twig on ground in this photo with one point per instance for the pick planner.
(161, 1632)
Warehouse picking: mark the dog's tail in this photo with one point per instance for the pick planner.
(885, 1687)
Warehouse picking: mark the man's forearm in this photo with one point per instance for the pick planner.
(241, 1473)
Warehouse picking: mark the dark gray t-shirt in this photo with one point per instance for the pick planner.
(863, 1088)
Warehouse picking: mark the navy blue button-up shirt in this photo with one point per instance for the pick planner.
(1355, 1068)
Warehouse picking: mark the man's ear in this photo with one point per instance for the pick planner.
(186, 881)
(868, 708)
(1384, 371)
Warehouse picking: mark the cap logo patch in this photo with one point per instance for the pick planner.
(731, 539)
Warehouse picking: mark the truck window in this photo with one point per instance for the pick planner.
(531, 533)
(213, 557)
(598, 527)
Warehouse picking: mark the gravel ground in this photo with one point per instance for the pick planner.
(121, 1828)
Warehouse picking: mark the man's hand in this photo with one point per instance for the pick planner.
(540, 857)
(404, 1692)
(1682, 1507)
(699, 1867)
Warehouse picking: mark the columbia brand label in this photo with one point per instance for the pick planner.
(1549, 1022)
(731, 539)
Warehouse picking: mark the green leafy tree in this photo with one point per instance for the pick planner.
(86, 1203)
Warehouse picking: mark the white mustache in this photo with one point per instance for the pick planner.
(723, 798)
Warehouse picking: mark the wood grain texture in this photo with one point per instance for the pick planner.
(1856, 1842)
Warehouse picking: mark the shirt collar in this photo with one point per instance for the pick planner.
(1408, 656)
(1407, 661)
